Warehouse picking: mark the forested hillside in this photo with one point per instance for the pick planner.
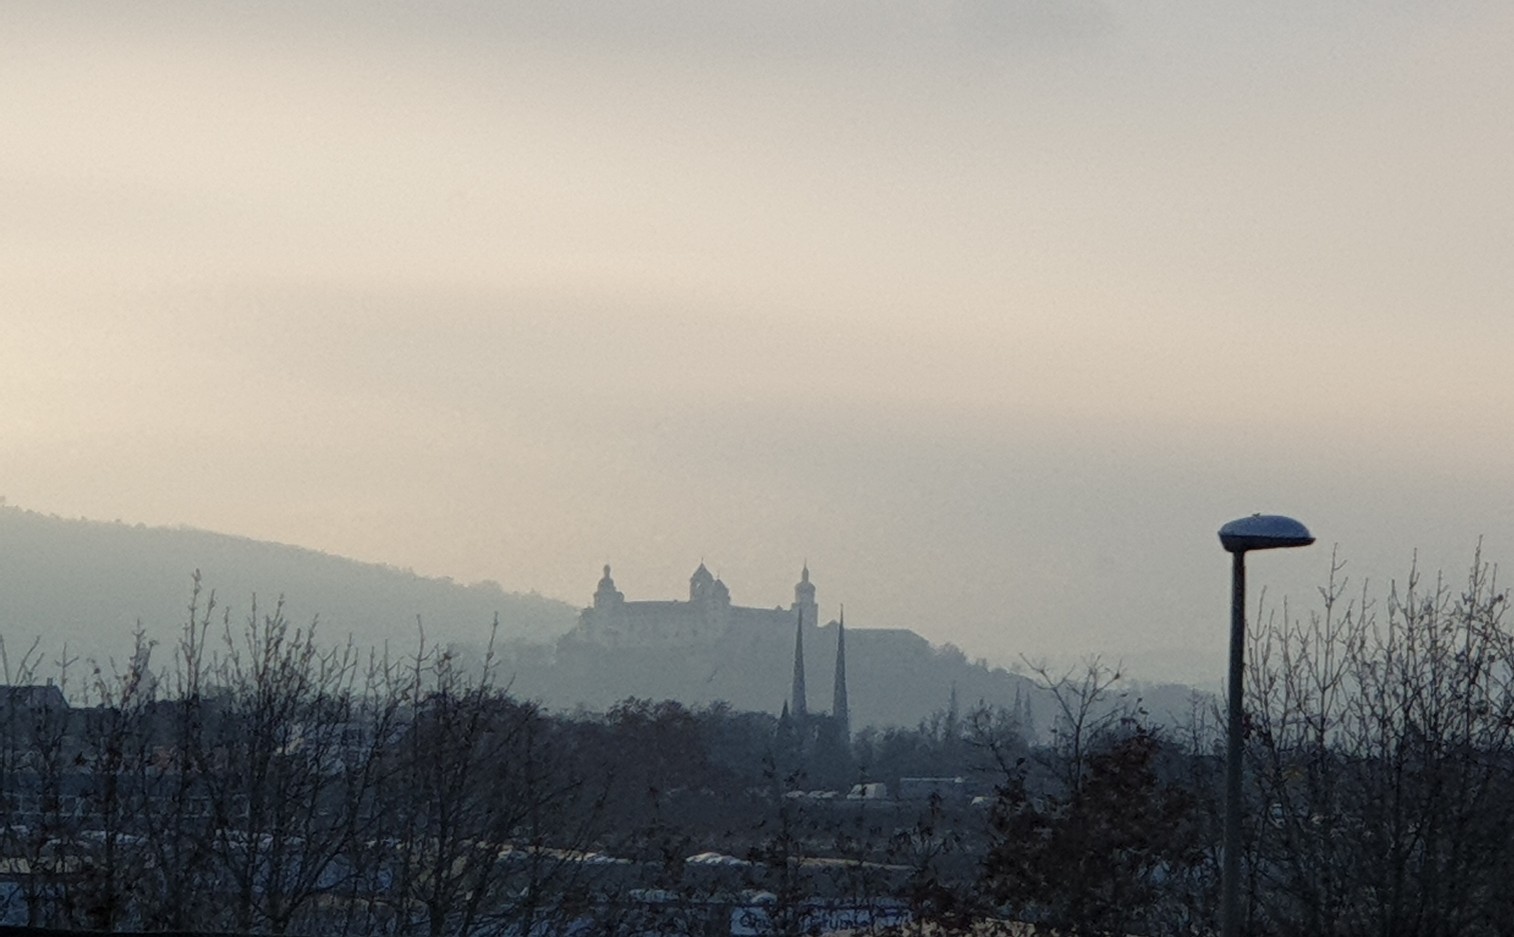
(89, 583)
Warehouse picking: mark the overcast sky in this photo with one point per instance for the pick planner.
(994, 311)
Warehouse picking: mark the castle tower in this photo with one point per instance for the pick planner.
(700, 583)
(607, 596)
(804, 597)
(838, 699)
(799, 709)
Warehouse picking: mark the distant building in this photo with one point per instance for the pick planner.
(35, 698)
(707, 618)
(869, 790)
(708, 622)
(948, 790)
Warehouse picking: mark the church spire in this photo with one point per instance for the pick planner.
(799, 708)
(838, 701)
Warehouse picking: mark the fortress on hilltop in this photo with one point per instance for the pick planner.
(705, 648)
(708, 624)
(707, 618)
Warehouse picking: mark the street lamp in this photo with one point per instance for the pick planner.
(1257, 532)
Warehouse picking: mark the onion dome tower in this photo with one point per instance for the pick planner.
(607, 596)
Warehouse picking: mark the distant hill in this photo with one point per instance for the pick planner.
(894, 677)
(89, 583)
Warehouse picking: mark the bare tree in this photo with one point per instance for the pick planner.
(283, 756)
(41, 811)
(1382, 762)
(1094, 844)
(487, 821)
(113, 740)
(1087, 706)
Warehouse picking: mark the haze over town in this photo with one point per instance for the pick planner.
(993, 313)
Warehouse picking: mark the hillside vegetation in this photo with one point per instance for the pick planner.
(89, 583)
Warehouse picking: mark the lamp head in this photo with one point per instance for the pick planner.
(1264, 532)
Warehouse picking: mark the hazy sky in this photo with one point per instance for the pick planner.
(995, 311)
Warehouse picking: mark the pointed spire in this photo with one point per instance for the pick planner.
(800, 709)
(838, 700)
(953, 713)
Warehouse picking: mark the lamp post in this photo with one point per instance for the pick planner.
(1257, 532)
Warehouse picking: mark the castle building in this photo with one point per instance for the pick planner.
(708, 617)
(708, 622)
